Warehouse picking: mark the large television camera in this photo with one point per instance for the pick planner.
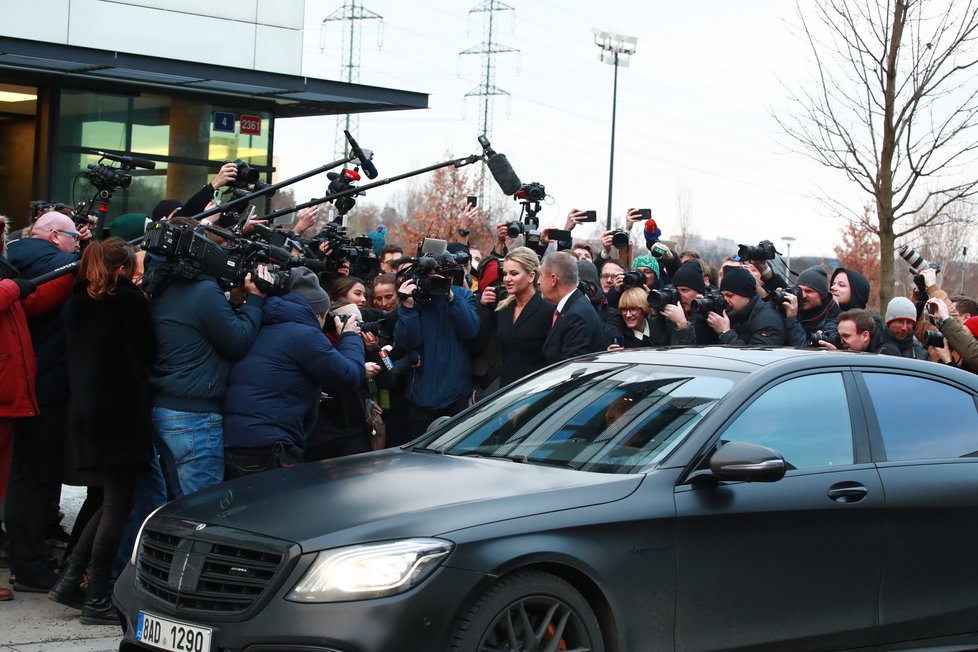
(188, 253)
(434, 274)
(342, 248)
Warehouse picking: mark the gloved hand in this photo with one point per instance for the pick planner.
(25, 286)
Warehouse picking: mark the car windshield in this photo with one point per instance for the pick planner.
(609, 418)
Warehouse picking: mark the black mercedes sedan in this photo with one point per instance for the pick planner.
(675, 499)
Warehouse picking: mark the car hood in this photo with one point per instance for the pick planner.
(393, 494)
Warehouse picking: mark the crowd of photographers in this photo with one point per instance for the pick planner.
(223, 347)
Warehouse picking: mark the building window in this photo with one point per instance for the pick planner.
(176, 132)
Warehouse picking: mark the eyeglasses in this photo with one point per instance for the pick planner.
(624, 310)
(74, 234)
(610, 277)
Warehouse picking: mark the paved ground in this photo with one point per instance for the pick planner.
(33, 623)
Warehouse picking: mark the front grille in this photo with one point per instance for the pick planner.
(194, 571)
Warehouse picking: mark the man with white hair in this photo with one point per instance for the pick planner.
(35, 475)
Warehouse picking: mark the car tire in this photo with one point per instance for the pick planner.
(525, 612)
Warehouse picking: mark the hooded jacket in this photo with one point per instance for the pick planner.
(273, 393)
(858, 285)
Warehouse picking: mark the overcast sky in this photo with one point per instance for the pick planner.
(694, 109)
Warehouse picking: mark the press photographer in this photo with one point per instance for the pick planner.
(199, 335)
(274, 391)
(675, 303)
(815, 319)
(898, 337)
(961, 337)
(437, 316)
(747, 319)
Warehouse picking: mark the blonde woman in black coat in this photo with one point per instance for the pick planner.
(110, 345)
(522, 319)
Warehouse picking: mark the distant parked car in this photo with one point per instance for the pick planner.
(676, 499)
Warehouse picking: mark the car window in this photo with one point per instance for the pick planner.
(922, 419)
(806, 419)
(590, 417)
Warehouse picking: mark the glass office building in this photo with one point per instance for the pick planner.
(61, 103)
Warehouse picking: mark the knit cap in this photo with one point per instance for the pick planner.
(816, 278)
(303, 281)
(164, 208)
(128, 226)
(739, 281)
(690, 275)
(646, 260)
(900, 308)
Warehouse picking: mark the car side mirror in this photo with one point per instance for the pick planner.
(437, 423)
(744, 462)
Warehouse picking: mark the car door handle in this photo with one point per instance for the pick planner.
(847, 492)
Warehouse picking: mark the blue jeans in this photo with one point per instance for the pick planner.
(194, 443)
(150, 493)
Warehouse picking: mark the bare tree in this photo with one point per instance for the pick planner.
(894, 106)
(684, 215)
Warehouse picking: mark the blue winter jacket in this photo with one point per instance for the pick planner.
(437, 331)
(273, 393)
(198, 336)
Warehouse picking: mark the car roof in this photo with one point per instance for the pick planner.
(752, 359)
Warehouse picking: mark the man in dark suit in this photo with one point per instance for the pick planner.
(576, 328)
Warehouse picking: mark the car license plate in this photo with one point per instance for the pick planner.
(170, 635)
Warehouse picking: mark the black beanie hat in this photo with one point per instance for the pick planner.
(164, 208)
(739, 281)
(816, 278)
(690, 275)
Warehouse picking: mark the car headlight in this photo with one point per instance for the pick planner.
(139, 535)
(371, 570)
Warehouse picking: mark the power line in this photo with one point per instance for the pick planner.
(487, 89)
(353, 14)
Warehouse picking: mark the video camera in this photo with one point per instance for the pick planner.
(434, 275)
(342, 247)
(189, 253)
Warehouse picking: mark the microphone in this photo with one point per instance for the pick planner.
(503, 173)
(397, 352)
(130, 161)
(365, 163)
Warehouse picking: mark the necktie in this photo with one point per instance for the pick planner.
(556, 314)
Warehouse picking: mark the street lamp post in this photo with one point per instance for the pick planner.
(787, 241)
(615, 50)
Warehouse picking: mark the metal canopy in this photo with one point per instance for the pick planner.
(285, 95)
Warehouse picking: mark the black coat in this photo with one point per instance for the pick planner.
(521, 343)
(576, 331)
(110, 346)
(758, 324)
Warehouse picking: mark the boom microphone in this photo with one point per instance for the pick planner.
(504, 174)
(365, 163)
(130, 161)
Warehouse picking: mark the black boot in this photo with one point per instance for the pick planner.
(98, 608)
(68, 591)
